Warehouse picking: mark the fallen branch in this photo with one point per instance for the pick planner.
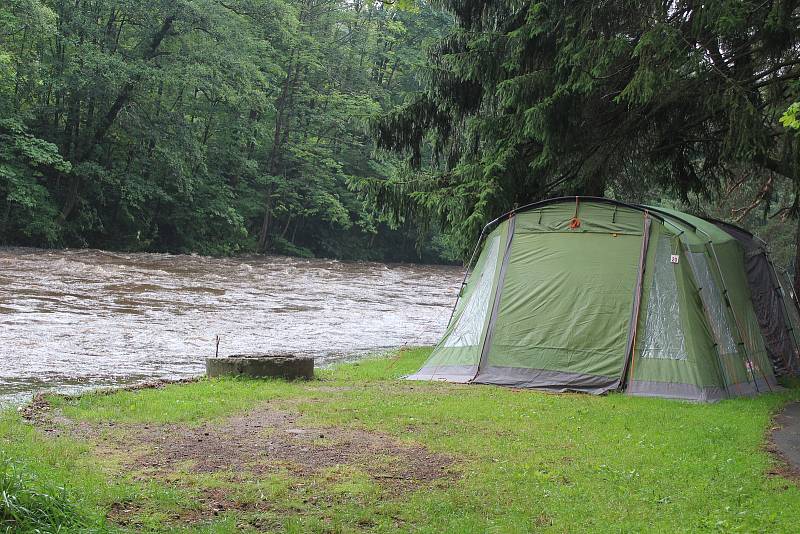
(765, 191)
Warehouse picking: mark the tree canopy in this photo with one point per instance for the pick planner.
(211, 126)
(631, 99)
(229, 126)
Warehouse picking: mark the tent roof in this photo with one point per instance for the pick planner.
(704, 230)
(694, 230)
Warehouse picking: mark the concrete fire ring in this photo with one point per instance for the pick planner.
(287, 366)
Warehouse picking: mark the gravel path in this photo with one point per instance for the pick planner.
(786, 437)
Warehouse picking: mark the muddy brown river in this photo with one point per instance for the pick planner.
(77, 319)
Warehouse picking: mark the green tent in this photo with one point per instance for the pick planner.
(594, 295)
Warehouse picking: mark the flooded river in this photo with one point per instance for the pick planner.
(77, 319)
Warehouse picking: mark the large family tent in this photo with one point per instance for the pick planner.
(595, 295)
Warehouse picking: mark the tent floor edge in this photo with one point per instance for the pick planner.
(677, 391)
(459, 374)
(547, 380)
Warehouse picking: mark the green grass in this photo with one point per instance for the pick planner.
(29, 504)
(525, 461)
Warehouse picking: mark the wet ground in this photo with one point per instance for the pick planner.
(786, 437)
(77, 319)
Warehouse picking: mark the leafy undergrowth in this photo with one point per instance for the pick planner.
(28, 504)
(374, 453)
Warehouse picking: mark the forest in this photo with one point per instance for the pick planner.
(205, 126)
(385, 130)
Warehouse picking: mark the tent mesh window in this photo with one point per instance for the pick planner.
(787, 294)
(788, 298)
(663, 333)
(752, 334)
(712, 299)
(467, 332)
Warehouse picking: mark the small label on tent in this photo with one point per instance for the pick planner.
(674, 258)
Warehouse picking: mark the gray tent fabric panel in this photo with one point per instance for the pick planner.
(770, 312)
(553, 381)
(751, 389)
(459, 374)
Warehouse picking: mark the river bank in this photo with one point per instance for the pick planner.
(360, 450)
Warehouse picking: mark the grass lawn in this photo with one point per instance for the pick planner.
(359, 450)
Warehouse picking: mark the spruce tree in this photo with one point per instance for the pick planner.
(527, 100)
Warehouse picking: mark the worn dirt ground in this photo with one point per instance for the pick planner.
(785, 439)
(267, 440)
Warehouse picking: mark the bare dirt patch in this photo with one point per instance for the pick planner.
(38, 411)
(781, 466)
(266, 440)
(269, 440)
(212, 502)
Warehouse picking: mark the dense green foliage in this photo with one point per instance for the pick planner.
(202, 125)
(637, 100)
(523, 461)
(237, 126)
(790, 119)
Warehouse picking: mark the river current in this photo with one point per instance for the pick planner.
(77, 319)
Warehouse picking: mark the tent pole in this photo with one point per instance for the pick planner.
(637, 302)
(466, 273)
(733, 314)
(789, 326)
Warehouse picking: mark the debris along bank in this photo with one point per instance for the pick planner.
(594, 295)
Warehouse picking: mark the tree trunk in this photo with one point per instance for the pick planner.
(283, 106)
(110, 117)
(263, 236)
(594, 185)
(286, 226)
(797, 259)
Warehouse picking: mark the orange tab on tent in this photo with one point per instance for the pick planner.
(575, 222)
